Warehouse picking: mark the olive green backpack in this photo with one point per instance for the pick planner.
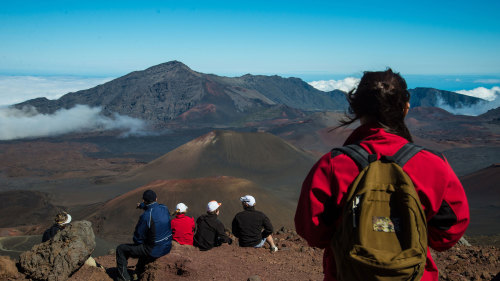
(383, 230)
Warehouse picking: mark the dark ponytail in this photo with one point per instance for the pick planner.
(380, 97)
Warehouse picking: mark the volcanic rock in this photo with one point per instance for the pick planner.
(8, 268)
(59, 257)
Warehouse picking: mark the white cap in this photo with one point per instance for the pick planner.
(181, 208)
(68, 220)
(213, 205)
(248, 199)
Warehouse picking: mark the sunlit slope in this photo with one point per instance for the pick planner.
(260, 157)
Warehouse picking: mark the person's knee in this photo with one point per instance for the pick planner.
(120, 249)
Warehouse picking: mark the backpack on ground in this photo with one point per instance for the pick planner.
(383, 230)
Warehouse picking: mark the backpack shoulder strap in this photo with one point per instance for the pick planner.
(406, 153)
(435, 152)
(358, 154)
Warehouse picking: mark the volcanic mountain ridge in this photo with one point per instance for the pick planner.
(173, 92)
(173, 95)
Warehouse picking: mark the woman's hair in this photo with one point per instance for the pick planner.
(176, 212)
(380, 97)
(61, 218)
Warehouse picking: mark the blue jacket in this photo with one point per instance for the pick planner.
(153, 229)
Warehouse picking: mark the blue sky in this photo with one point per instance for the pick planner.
(50, 48)
(300, 38)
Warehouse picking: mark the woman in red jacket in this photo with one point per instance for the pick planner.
(182, 226)
(380, 103)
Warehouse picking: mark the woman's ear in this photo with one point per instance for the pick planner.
(407, 108)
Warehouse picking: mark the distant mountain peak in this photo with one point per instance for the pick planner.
(168, 67)
(171, 93)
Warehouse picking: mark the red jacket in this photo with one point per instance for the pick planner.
(183, 229)
(440, 192)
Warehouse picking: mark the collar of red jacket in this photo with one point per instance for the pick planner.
(180, 216)
(369, 131)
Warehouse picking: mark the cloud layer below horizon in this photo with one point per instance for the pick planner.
(491, 100)
(28, 123)
(16, 89)
(482, 93)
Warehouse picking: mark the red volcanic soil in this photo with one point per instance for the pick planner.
(294, 261)
(57, 160)
(484, 185)
(262, 158)
(483, 192)
(315, 134)
(197, 112)
(117, 218)
(438, 125)
(24, 208)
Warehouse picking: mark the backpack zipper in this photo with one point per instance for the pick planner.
(414, 275)
(355, 204)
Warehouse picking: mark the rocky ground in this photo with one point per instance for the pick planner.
(462, 263)
(294, 261)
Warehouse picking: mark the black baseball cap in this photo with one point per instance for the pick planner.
(149, 196)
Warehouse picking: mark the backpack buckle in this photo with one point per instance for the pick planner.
(387, 159)
(372, 158)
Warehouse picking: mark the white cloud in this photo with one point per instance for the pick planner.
(491, 99)
(482, 93)
(28, 123)
(15, 89)
(345, 85)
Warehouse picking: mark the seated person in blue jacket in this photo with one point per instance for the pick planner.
(152, 237)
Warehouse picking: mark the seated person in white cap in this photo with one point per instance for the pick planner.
(210, 231)
(60, 222)
(253, 228)
(182, 226)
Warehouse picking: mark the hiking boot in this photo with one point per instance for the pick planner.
(274, 249)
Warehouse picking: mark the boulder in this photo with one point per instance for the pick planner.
(8, 269)
(58, 258)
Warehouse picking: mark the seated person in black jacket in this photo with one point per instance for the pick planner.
(210, 231)
(60, 222)
(253, 228)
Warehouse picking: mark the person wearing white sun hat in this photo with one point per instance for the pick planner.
(253, 228)
(210, 231)
(182, 226)
(61, 220)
